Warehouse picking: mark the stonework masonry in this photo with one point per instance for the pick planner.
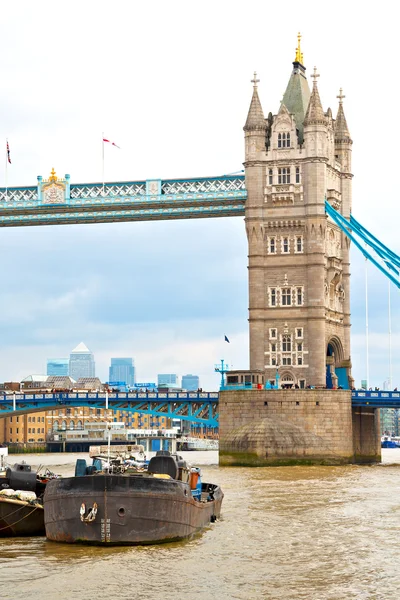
(299, 277)
(288, 427)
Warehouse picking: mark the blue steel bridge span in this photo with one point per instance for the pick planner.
(197, 407)
(56, 201)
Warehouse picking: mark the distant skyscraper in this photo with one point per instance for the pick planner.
(58, 366)
(168, 380)
(191, 383)
(81, 362)
(122, 369)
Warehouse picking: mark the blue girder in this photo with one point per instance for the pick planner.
(196, 407)
(188, 406)
(203, 197)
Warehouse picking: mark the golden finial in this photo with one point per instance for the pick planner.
(299, 54)
(53, 176)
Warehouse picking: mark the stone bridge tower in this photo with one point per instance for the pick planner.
(299, 278)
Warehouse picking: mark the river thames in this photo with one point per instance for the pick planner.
(288, 533)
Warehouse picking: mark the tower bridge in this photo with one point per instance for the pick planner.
(296, 198)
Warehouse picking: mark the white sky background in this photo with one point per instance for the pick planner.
(170, 83)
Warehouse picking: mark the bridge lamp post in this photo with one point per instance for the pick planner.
(222, 368)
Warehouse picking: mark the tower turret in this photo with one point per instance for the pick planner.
(255, 126)
(343, 141)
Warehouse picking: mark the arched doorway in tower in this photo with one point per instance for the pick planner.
(288, 380)
(336, 372)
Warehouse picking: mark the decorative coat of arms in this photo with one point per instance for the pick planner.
(53, 190)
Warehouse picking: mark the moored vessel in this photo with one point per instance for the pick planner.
(21, 508)
(125, 505)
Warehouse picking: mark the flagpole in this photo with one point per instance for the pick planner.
(102, 141)
(6, 170)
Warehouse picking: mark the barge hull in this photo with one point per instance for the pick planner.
(130, 509)
(19, 518)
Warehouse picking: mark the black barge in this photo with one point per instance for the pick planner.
(167, 502)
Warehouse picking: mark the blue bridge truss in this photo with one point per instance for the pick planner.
(155, 199)
(201, 408)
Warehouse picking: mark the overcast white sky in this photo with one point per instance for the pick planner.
(170, 83)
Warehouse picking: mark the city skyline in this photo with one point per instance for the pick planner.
(170, 289)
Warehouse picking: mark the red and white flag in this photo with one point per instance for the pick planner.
(112, 143)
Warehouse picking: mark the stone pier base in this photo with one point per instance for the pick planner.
(366, 435)
(290, 427)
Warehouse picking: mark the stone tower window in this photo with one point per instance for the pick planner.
(283, 140)
(272, 333)
(299, 296)
(273, 297)
(299, 360)
(299, 244)
(286, 297)
(297, 174)
(284, 175)
(273, 347)
(270, 177)
(285, 245)
(272, 245)
(300, 347)
(286, 360)
(299, 332)
(286, 343)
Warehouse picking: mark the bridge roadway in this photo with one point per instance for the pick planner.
(198, 407)
(156, 199)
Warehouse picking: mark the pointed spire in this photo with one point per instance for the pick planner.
(297, 94)
(341, 129)
(315, 113)
(255, 118)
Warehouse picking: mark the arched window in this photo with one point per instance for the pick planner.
(279, 140)
(285, 245)
(64, 425)
(71, 425)
(286, 343)
(55, 426)
(272, 245)
(79, 425)
(273, 297)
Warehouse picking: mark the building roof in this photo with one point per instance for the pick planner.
(315, 112)
(255, 118)
(34, 378)
(297, 96)
(81, 348)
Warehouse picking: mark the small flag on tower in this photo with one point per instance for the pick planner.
(112, 143)
(8, 153)
(226, 339)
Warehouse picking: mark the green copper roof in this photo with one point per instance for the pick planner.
(297, 96)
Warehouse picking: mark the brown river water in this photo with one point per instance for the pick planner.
(286, 533)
